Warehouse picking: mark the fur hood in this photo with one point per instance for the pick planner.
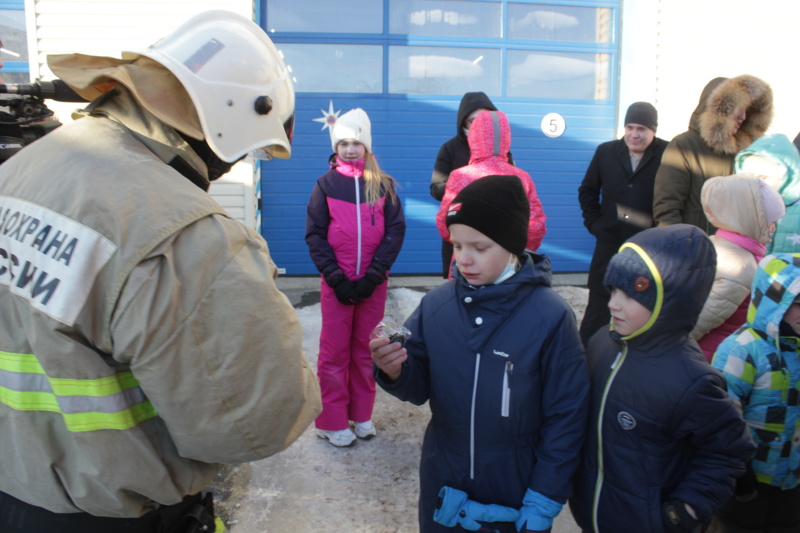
(726, 98)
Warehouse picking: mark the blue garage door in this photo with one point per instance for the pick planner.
(14, 38)
(551, 67)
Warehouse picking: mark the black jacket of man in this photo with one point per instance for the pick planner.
(616, 201)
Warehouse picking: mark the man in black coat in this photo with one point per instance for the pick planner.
(616, 198)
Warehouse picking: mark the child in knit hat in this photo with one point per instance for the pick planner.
(665, 440)
(496, 353)
(354, 230)
(744, 209)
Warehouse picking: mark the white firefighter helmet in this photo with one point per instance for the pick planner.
(237, 81)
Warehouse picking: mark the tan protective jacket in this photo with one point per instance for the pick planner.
(142, 337)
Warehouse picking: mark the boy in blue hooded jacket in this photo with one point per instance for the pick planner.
(665, 440)
(761, 366)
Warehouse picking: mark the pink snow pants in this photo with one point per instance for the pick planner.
(344, 366)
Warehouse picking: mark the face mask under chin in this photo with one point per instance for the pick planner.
(508, 271)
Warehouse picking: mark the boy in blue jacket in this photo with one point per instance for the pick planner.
(496, 353)
(762, 369)
(665, 440)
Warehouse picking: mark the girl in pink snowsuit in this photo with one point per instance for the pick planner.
(489, 141)
(354, 231)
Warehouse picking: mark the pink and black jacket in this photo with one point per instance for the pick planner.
(347, 235)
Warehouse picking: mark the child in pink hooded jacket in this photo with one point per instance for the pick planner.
(489, 141)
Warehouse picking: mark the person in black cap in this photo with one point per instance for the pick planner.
(616, 198)
(496, 353)
(665, 440)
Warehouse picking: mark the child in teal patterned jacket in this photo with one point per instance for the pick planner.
(761, 365)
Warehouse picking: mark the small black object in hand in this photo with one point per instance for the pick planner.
(397, 337)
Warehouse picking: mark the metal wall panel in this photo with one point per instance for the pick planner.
(407, 131)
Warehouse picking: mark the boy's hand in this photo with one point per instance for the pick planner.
(388, 356)
(537, 513)
(455, 508)
(678, 517)
(747, 485)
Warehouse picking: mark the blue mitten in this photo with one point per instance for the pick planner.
(454, 508)
(537, 512)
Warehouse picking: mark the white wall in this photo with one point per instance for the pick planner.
(671, 48)
(108, 27)
(637, 69)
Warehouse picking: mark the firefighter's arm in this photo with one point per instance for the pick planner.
(215, 346)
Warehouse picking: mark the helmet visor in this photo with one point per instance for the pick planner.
(266, 153)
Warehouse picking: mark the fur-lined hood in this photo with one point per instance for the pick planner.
(721, 101)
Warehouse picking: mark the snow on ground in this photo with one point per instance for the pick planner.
(368, 488)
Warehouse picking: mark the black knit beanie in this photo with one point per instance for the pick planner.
(498, 207)
(628, 272)
(642, 113)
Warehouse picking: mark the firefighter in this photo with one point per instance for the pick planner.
(143, 341)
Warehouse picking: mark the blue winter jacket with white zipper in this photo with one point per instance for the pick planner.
(502, 367)
(661, 425)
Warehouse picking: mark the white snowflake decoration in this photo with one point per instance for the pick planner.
(329, 117)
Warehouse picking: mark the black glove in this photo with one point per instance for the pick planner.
(346, 292)
(334, 277)
(364, 287)
(677, 519)
(747, 485)
(344, 288)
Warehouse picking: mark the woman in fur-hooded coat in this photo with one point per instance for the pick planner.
(708, 147)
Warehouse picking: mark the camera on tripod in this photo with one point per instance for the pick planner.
(24, 116)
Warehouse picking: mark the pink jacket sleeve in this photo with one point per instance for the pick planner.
(458, 180)
(461, 178)
(536, 227)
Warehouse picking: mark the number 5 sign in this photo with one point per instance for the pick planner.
(553, 125)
